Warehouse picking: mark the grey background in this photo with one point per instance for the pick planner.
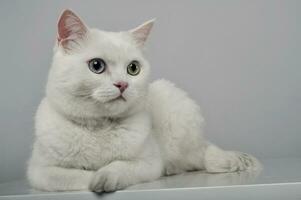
(239, 59)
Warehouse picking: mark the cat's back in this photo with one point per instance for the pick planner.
(178, 126)
(171, 106)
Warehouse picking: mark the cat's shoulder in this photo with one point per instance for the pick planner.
(45, 110)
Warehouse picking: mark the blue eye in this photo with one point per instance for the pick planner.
(97, 65)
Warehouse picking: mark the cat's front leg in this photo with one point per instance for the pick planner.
(54, 178)
(122, 173)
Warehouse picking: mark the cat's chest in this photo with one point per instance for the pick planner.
(93, 147)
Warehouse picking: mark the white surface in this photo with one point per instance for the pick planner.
(280, 179)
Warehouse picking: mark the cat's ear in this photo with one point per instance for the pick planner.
(142, 32)
(71, 29)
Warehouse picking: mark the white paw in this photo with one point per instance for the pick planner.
(218, 161)
(107, 180)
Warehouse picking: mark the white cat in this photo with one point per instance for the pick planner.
(102, 126)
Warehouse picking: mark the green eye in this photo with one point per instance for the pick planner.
(133, 68)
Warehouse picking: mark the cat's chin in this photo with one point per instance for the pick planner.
(117, 105)
(110, 108)
(117, 110)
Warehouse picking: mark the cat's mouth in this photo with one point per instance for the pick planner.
(119, 98)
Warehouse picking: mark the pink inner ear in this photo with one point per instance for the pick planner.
(142, 32)
(62, 31)
(70, 26)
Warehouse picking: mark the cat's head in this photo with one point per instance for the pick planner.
(97, 73)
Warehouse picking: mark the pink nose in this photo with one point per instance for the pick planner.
(121, 85)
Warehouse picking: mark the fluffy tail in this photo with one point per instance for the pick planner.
(217, 161)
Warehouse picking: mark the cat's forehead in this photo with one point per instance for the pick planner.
(113, 45)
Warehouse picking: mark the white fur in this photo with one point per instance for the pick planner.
(87, 140)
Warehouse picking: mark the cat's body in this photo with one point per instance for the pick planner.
(104, 127)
